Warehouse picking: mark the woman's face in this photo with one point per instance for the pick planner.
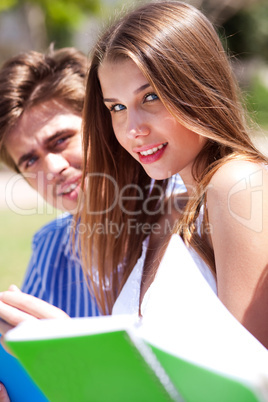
(143, 125)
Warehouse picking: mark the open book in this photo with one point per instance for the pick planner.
(187, 347)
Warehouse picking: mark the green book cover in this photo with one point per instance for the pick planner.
(96, 361)
(106, 359)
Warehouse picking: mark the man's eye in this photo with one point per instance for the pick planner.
(61, 140)
(30, 162)
(117, 108)
(150, 97)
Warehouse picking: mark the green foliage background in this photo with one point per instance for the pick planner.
(247, 31)
(61, 16)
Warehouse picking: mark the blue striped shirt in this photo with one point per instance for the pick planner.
(54, 274)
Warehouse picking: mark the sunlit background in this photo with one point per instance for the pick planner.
(34, 24)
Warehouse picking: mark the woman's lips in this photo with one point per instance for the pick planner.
(152, 154)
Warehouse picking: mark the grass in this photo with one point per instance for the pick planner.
(16, 233)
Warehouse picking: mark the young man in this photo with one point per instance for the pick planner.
(40, 137)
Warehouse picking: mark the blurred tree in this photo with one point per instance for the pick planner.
(55, 20)
(247, 31)
(52, 20)
(219, 11)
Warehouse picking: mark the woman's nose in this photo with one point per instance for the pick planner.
(137, 125)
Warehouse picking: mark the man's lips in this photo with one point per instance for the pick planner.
(69, 187)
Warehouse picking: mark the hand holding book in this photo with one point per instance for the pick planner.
(16, 307)
(188, 348)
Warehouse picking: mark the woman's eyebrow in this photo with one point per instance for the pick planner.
(141, 88)
(138, 90)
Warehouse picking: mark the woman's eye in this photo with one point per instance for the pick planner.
(117, 108)
(150, 97)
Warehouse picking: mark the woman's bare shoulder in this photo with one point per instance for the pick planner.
(238, 175)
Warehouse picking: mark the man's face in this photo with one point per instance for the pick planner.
(46, 147)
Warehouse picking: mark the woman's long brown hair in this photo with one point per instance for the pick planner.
(179, 52)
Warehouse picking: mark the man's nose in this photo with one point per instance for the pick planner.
(55, 163)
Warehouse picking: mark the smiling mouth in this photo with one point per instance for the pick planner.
(70, 188)
(153, 150)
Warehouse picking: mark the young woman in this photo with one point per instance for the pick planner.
(161, 99)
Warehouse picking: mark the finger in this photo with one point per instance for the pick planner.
(3, 394)
(30, 305)
(4, 327)
(14, 288)
(12, 315)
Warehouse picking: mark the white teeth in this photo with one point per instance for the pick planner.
(70, 188)
(152, 150)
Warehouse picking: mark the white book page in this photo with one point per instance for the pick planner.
(183, 316)
(63, 328)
